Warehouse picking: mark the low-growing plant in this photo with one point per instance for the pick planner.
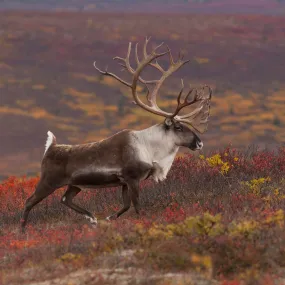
(221, 216)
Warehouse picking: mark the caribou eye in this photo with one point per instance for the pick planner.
(179, 128)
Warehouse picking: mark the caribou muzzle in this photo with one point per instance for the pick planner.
(196, 144)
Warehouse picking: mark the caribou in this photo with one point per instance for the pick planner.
(129, 156)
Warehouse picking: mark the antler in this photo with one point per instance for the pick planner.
(198, 118)
(148, 59)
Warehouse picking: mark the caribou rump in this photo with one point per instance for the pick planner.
(129, 156)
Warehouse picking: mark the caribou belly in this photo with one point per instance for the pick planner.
(97, 179)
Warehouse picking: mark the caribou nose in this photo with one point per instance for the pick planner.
(199, 145)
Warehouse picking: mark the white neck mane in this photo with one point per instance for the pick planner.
(156, 147)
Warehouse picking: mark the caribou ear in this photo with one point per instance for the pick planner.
(168, 122)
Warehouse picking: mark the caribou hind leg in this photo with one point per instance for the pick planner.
(43, 190)
(126, 204)
(67, 198)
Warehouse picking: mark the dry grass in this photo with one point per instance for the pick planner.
(215, 220)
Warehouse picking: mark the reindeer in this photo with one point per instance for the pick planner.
(129, 156)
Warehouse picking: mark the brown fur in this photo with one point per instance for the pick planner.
(120, 160)
(88, 165)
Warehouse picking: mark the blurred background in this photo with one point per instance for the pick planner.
(48, 82)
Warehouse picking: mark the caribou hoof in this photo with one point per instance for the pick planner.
(111, 218)
(93, 221)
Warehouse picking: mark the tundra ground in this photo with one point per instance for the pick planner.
(215, 220)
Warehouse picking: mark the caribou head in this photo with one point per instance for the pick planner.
(129, 156)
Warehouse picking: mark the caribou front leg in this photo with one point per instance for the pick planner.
(135, 173)
(132, 175)
(67, 198)
(134, 193)
(126, 204)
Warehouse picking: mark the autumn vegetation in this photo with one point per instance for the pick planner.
(48, 82)
(217, 219)
(219, 216)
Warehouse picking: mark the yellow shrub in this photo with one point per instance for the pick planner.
(159, 232)
(203, 262)
(255, 184)
(216, 161)
(244, 228)
(202, 225)
(210, 225)
(139, 229)
(177, 229)
(70, 257)
(275, 196)
(276, 218)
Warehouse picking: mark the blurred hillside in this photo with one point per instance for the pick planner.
(48, 82)
(153, 6)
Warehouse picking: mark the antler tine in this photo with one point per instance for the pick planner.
(202, 111)
(203, 102)
(185, 101)
(189, 93)
(147, 95)
(155, 49)
(127, 64)
(165, 74)
(192, 114)
(136, 54)
(181, 91)
(112, 75)
(145, 46)
(160, 45)
(145, 54)
(128, 54)
(170, 56)
(118, 58)
(123, 65)
(210, 90)
(127, 60)
(157, 66)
